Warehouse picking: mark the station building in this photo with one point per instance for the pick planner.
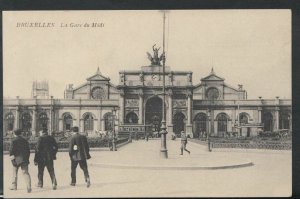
(135, 105)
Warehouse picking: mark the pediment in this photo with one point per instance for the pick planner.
(98, 77)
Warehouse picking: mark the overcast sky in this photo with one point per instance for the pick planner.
(249, 47)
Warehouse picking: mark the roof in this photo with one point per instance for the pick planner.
(98, 77)
(212, 77)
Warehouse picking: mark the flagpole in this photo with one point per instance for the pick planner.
(163, 149)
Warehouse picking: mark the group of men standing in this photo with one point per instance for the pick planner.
(45, 154)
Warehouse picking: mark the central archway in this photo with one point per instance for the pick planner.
(153, 114)
(178, 122)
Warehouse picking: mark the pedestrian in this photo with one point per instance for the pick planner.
(19, 153)
(183, 143)
(45, 153)
(79, 154)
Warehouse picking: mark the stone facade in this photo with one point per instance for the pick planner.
(210, 106)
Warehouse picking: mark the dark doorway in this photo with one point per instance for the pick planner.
(178, 122)
(153, 113)
(268, 121)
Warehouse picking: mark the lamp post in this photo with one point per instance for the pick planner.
(163, 149)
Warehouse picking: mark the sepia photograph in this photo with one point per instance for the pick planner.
(147, 103)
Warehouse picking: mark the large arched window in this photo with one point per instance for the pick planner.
(132, 118)
(68, 122)
(108, 121)
(26, 121)
(43, 121)
(9, 121)
(244, 118)
(222, 122)
(268, 121)
(88, 122)
(284, 121)
(200, 121)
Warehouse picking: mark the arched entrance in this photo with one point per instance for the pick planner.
(42, 121)
(222, 121)
(131, 118)
(178, 122)
(9, 122)
(284, 121)
(153, 114)
(25, 121)
(67, 122)
(200, 121)
(268, 121)
(108, 121)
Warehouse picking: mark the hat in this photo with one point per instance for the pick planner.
(75, 129)
(18, 132)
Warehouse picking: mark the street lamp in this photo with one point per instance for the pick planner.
(163, 149)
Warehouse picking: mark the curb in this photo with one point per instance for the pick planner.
(156, 167)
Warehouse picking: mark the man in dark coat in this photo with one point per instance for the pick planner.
(183, 143)
(45, 153)
(19, 152)
(79, 153)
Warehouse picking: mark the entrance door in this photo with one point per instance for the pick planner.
(153, 114)
(178, 122)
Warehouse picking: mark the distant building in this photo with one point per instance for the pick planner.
(210, 106)
(40, 90)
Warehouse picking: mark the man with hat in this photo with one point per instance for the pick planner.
(45, 153)
(183, 143)
(19, 153)
(79, 153)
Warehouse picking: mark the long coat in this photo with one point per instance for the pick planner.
(183, 138)
(46, 149)
(79, 148)
(19, 148)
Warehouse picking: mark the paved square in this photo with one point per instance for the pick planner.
(269, 176)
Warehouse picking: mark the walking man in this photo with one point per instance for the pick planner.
(183, 143)
(19, 153)
(79, 154)
(45, 153)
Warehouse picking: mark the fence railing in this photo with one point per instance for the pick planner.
(273, 146)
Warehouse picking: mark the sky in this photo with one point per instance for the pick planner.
(248, 47)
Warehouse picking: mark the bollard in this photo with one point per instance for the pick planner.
(209, 146)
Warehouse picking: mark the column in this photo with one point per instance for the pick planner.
(212, 129)
(259, 114)
(81, 126)
(208, 123)
(189, 127)
(50, 121)
(16, 124)
(33, 127)
(102, 125)
(189, 109)
(170, 116)
(121, 104)
(141, 103)
(277, 118)
(233, 119)
(60, 124)
(79, 117)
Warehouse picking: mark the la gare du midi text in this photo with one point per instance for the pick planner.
(62, 25)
